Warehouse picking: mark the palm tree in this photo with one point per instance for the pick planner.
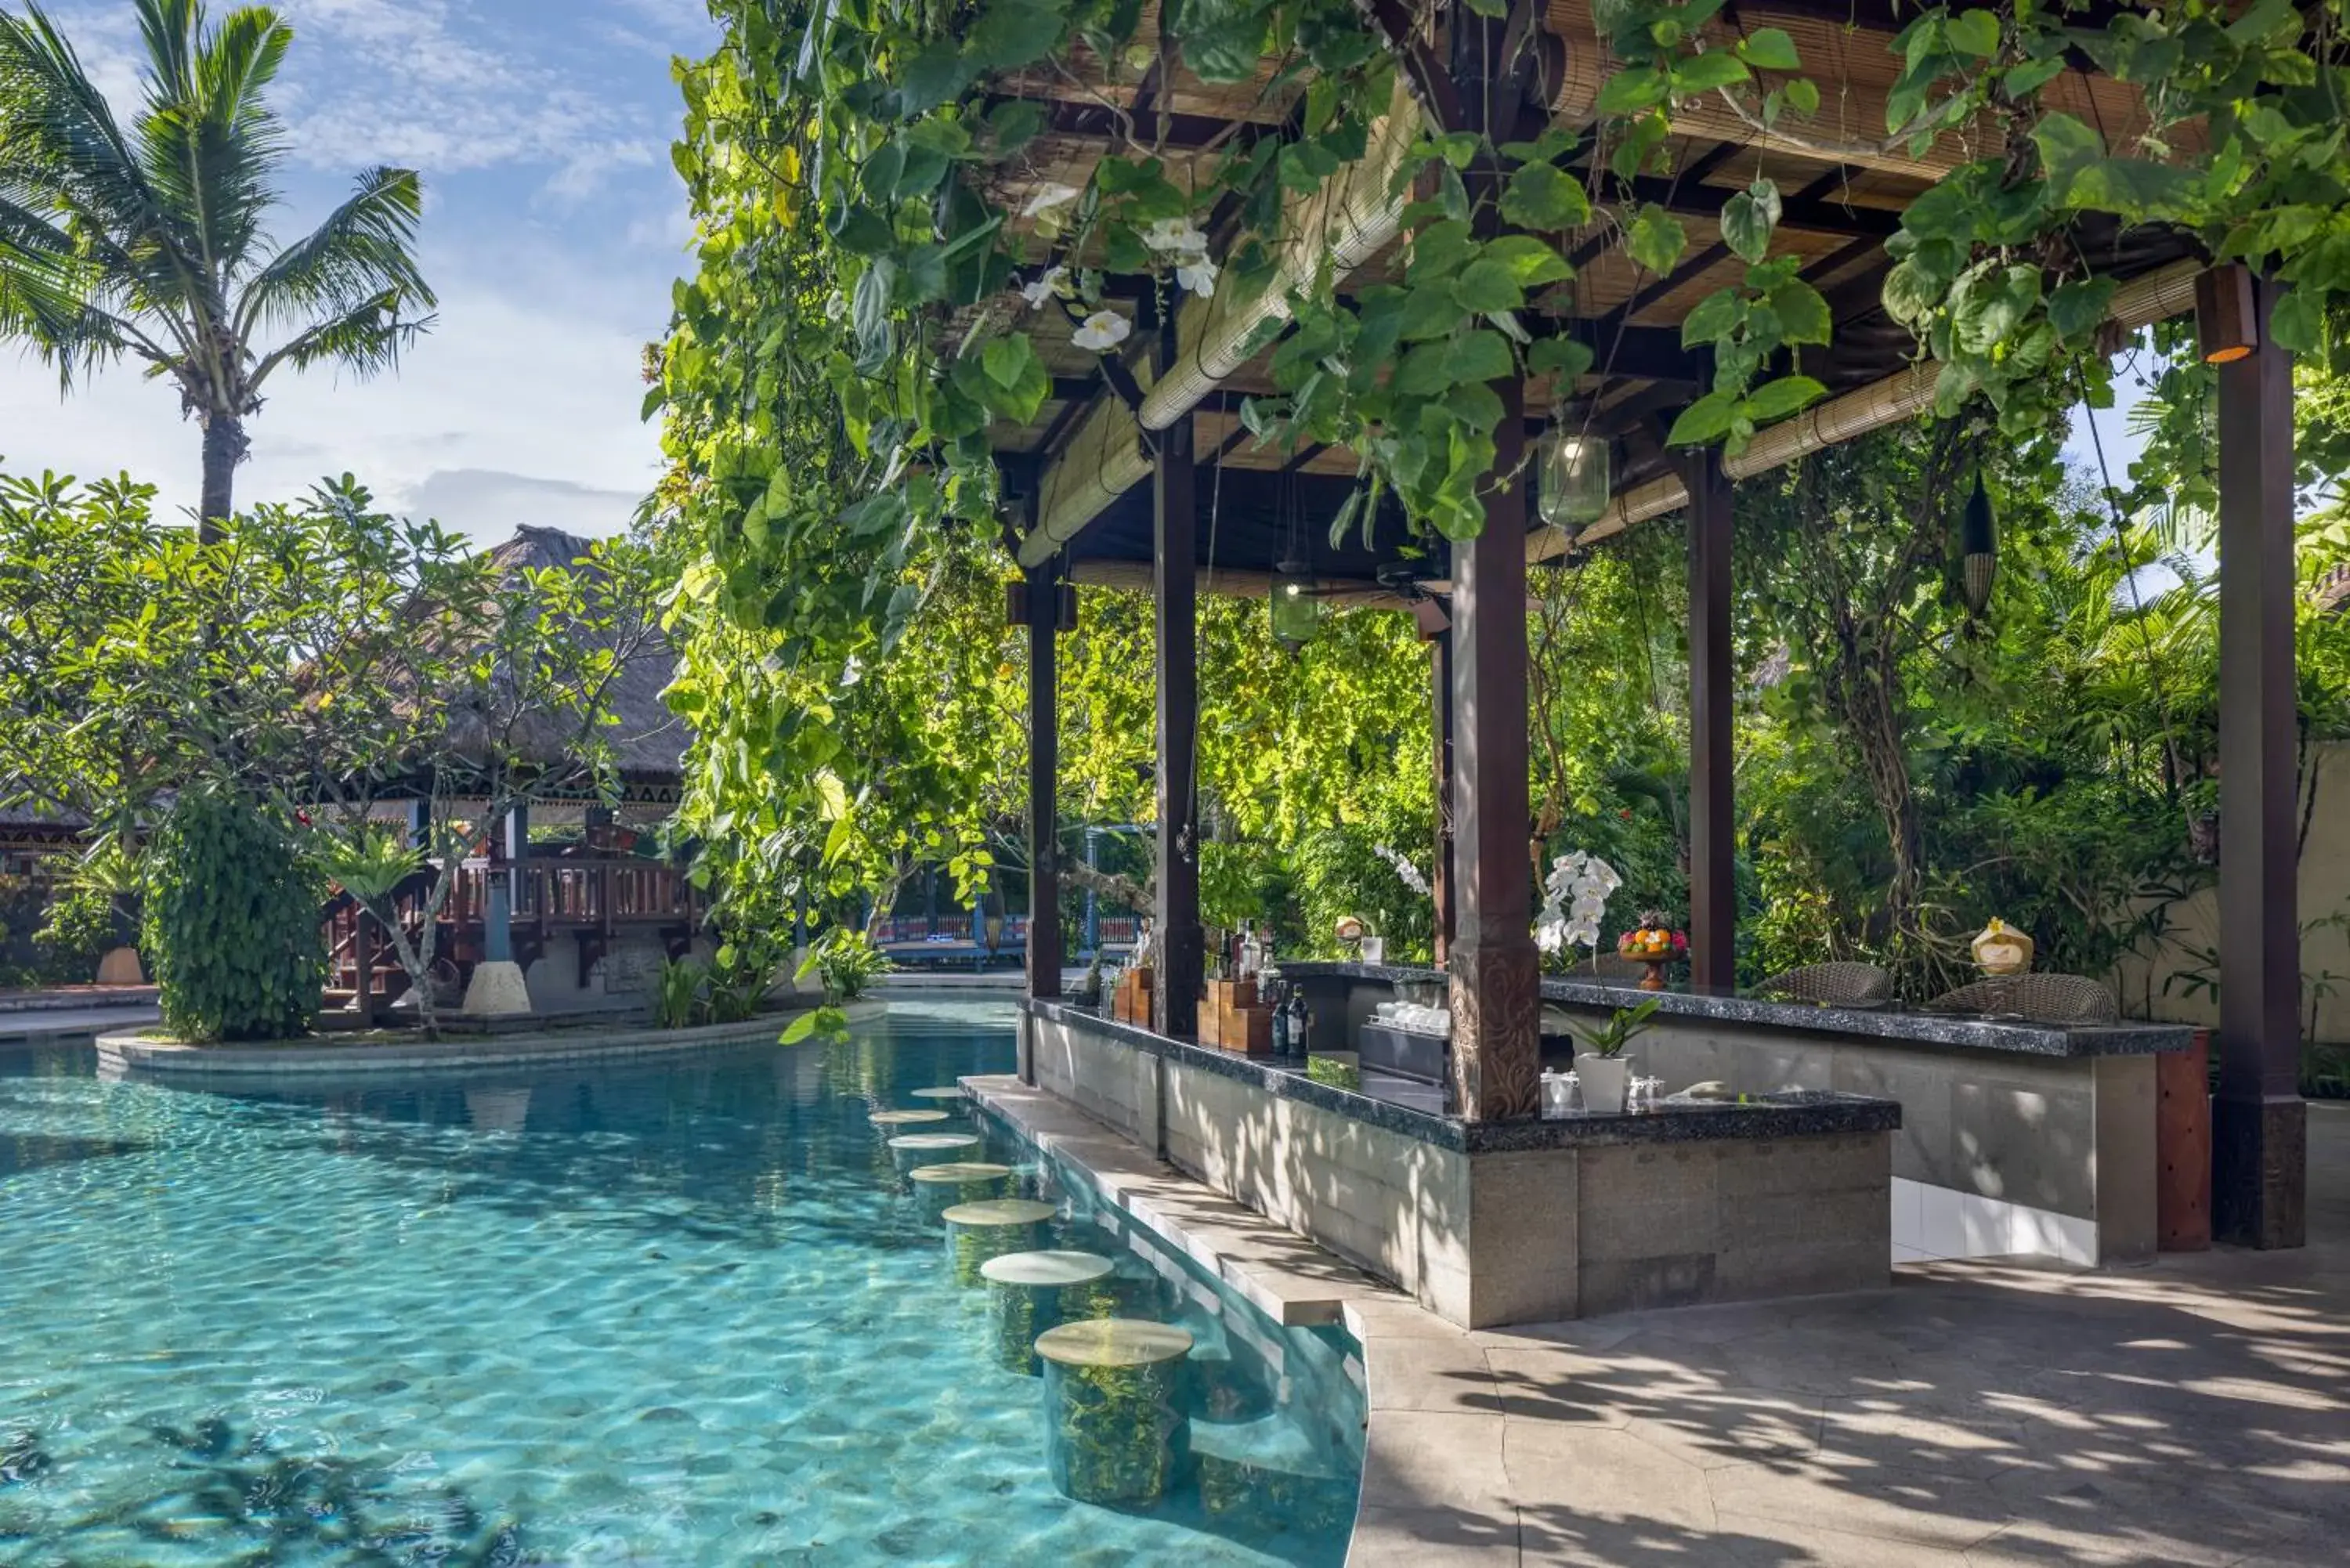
(152, 244)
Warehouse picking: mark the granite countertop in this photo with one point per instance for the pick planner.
(1404, 1105)
(1903, 1026)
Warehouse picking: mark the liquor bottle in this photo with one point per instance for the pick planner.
(1301, 1025)
(1280, 1004)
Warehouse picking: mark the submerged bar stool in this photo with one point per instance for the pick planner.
(989, 1229)
(905, 1119)
(1034, 1291)
(913, 1150)
(1114, 1426)
(939, 1187)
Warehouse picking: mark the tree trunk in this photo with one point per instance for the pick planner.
(224, 448)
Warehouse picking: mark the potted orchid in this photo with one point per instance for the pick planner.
(1374, 946)
(1574, 899)
(1605, 1072)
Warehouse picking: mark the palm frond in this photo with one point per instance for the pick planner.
(56, 133)
(209, 143)
(366, 338)
(361, 254)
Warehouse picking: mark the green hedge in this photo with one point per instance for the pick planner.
(232, 926)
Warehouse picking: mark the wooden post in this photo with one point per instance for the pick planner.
(2259, 1152)
(1044, 772)
(1176, 906)
(1439, 663)
(1494, 984)
(363, 958)
(1713, 888)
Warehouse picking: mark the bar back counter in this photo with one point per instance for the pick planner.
(1865, 1137)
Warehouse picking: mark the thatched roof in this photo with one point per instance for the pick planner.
(650, 741)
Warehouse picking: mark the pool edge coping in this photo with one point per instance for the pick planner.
(1404, 1348)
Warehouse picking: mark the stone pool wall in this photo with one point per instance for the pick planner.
(1489, 1237)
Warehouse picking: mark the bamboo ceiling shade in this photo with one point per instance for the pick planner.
(1075, 473)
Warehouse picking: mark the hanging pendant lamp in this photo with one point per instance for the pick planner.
(1573, 482)
(1978, 550)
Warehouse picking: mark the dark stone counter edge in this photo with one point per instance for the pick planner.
(1805, 1114)
(1949, 1031)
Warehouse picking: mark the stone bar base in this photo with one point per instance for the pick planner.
(1487, 1236)
(2261, 1148)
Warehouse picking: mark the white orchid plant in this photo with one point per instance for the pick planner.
(1411, 875)
(1574, 899)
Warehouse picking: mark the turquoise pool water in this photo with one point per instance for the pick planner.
(683, 1314)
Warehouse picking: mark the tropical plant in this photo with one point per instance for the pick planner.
(849, 961)
(1624, 1025)
(152, 241)
(677, 993)
(232, 926)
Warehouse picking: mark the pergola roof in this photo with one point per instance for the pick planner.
(1077, 469)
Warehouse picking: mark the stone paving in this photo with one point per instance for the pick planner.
(2193, 1412)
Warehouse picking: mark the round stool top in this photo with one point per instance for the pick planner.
(945, 1091)
(935, 1141)
(1114, 1342)
(999, 1211)
(901, 1119)
(964, 1170)
(1046, 1268)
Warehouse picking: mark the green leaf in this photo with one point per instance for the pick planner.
(1016, 122)
(1565, 357)
(878, 513)
(1487, 285)
(1709, 72)
(2137, 189)
(2079, 307)
(1438, 249)
(2067, 147)
(1974, 33)
(1016, 33)
(1530, 261)
(1910, 294)
(1631, 90)
(1423, 373)
(1544, 196)
(1006, 358)
(1704, 422)
(1777, 400)
(1803, 313)
(2298, 321)
(1715, 317)
(1478, 355)
(1770, 49)
(937, 73)
(1748, 219)
(1802, 95)
(1460, 148)
(1657, 239)
(1429, 311)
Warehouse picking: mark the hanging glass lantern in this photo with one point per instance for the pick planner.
(1978, 550)
(1572, 482)
(1296, 608)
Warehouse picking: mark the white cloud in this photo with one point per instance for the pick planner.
(501, 387)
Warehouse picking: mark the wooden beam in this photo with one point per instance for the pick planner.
(2259, 1194)
(1175, 909)
(1143, 576)
(2155, 296)
(1043, 946)
(1713, 875)
(1441, 876)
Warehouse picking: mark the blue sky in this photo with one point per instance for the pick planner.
(553, 228)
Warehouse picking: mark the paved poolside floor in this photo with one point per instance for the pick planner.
(2193, 1412)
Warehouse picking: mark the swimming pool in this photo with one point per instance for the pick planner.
(685, 1313)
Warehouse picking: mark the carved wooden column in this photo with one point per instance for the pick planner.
(2260, 1171)
(1175, 909)
(1044, 596)
(1714, 887)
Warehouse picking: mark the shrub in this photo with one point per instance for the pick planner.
(677, 994)
(849, 961)
(233, 924)
(81, 925)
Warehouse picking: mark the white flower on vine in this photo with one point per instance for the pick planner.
(1196, 273)
(1178, 236)
(1047, 284)
(1048, 196)
(1102, 331)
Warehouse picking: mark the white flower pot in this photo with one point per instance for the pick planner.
(1604, 1080)
(1375, 950)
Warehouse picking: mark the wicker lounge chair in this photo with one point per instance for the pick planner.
(1832, 984)
(2043, 998)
